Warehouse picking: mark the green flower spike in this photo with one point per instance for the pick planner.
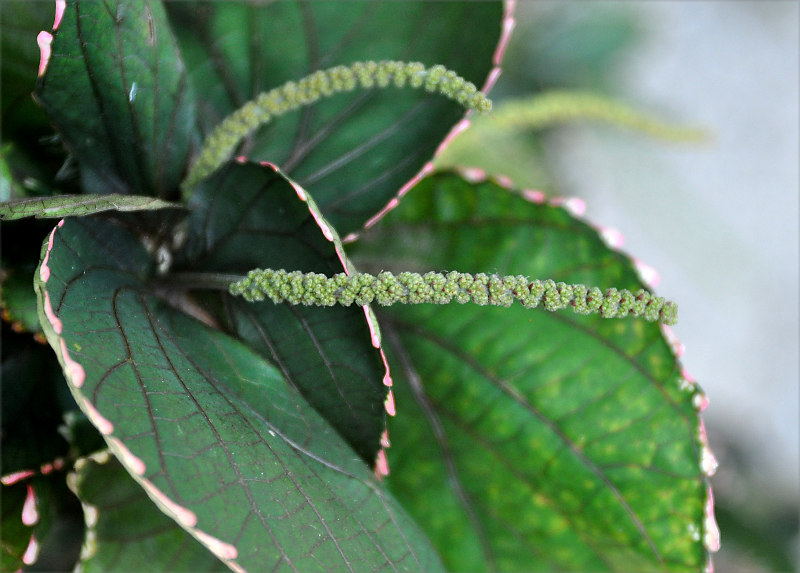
(438, 288)
(221, 143)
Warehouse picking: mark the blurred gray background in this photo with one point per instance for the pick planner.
(718, 221)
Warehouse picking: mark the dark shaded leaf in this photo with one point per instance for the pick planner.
(79, 205)
(36, 510)
(18, 300)
(22, 526)
(354, 151)
(20, 23)
(213, 433)
(28, 172)
(248, 216)
(126, 532)
(20, 242)
(116, 90)
(33, 401)
(531, 440)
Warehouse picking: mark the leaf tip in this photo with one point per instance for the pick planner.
(647, 273)
(381, 464)
(61, 5)
(98, 421)
(45, 40)
(15, 477)
(130, 461)
(389, 404)
(74, 371)
(32, 552)
(54, 321)
(30, 509)
(184, 516)
(224, 551)
(711, 539)
(575, 206)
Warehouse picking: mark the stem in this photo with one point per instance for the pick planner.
(211, 281)
(223, 140)
(438, 288)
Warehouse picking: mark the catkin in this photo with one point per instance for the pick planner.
(442, 288)
(223, 140)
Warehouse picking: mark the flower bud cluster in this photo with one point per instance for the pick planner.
(441, 288)
(221, 143)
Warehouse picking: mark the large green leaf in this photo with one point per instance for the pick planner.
(212, 431)
(116, 89)
(125, 531)
(531, 440)
(354, 151)
(326, 353)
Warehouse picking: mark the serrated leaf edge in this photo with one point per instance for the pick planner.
(75, 375)
(381, 464)
(506, 28)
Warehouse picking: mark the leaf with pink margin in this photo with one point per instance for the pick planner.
(533, 440)
(123, 525)
(249, 215)
(116, 90)
(213, 433)
(352, 151)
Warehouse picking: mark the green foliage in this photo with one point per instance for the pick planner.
(586, 423)
(199, 431)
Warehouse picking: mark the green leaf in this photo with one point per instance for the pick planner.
(79, 205)
(516, 154)
(124, 530)
(531, 440)
(213, 432)
(325, 353)
(116, 90)
(353, 151)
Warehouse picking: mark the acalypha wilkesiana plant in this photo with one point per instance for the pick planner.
(278, 324)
